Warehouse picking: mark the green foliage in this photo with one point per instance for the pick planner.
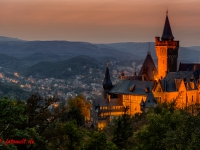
(80, 103)
(98, 141)
(163, 128)
(73, 114)
(123, 130)
(12, 117)
(74, 135)
(169, 128)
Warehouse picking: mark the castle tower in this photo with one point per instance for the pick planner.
(107, 84)
(166, 51)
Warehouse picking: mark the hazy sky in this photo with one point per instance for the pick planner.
(100, 21)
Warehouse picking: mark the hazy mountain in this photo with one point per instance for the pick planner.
(139, 49)
(34, 52)
(63, 48)
(38, 57)
(3, 38)
(197, 48)
(11, 62)
(79, 65)
(186, 54)
(189, 54)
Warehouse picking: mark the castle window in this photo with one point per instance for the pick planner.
(118, 107)
(126, 97)
(103, 107)
(113, 107)
(138, 99)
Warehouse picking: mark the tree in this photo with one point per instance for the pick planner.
(74, 135)
(123, 130)
(98, 141)
(169, 128)
(11, 118)
(73, 114)
(79, 102)
(41, 116)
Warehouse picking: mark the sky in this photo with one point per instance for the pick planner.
(100, 21)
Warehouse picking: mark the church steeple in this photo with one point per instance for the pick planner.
(167, 32)
(107, 81)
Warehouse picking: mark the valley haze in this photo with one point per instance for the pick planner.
(69, 67)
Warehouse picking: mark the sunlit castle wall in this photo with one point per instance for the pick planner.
(167, 53)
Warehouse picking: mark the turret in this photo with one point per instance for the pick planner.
(107, 84)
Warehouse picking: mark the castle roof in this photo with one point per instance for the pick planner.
(189, 66)
(148, 68)
(132, 87)
(172, 80)
(135, 77)
(167, 32)
(150, 100)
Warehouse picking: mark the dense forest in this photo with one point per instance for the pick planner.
(44, 123)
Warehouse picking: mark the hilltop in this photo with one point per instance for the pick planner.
(64, 69)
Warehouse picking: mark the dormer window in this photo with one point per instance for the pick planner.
(147, 90)
(132, 88)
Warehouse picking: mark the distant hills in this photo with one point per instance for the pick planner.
(3, 38)
(35, 57)
(79, 65)
(139, 49)
(37, 51)
(11, 62)
(65, 60)
(63, 48)
(186, 54)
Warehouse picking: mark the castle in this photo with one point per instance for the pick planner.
(152, 85)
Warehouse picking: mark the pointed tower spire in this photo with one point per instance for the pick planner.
(149, 51)
(167, 32)
(107, 84)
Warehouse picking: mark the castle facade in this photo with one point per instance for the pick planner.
(135, 94)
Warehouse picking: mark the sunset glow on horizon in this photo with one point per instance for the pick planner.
(102, 21)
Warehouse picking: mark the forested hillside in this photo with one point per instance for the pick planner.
(47, 123)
